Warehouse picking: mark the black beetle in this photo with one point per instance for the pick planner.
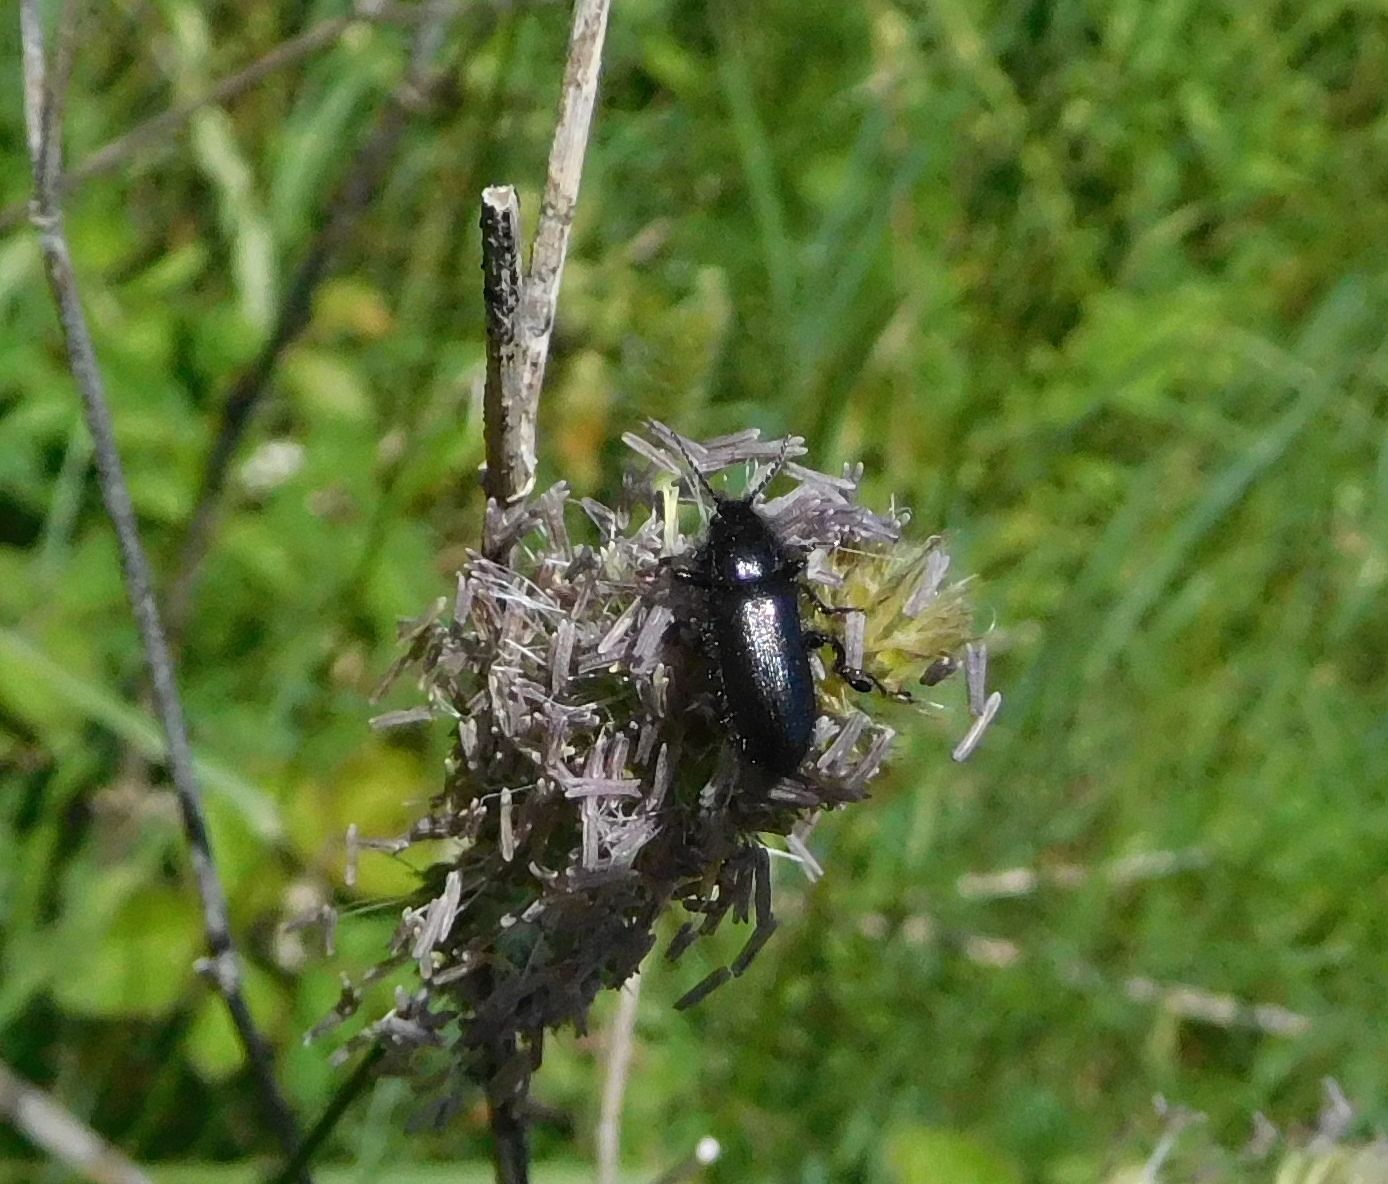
(752, 630)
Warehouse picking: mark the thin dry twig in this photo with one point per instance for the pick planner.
(706, 1151)
(160, 130)
(520, 319)
(511, 1155)
(506, 1102)
(508, 432)
(514, 388)
(576, 102)
(43, 106)
(620, 1041)
(338, 1105)
(1216, 1008)
(1182, 1000)
(1119, 873)
(50, 1127)
(1176, 1121)
(359, 185)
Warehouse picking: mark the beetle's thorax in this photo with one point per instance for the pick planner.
(741, 548)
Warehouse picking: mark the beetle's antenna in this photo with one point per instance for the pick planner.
(781, 458)
(694, 468)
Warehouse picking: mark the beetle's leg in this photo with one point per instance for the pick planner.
(684, 630)
(795, 566)
(830, 610)
(685, 634)
(859, 680)
(855, 677)
(682, 572)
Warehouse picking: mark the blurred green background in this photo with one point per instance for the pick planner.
(1098, 288)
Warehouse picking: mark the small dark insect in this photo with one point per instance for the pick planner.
(939, 670)
(753, 633)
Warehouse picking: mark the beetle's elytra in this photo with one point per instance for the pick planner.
(753, 633)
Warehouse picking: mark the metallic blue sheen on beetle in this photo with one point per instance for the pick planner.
(753, 633)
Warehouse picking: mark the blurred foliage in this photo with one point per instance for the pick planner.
(1098, 287)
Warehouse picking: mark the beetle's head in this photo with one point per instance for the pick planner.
(741, 547)
(719, 499)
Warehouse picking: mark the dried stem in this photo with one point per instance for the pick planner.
(511, 442)
(1119, 873)
(1183, 1000)
(160, 129)
(1177, 1120)
(520, 319)
(506, 1102)
(576, 102)
(510, 1141)
(1210, 1007)
(619, 1046)
(705, 1152)
(354, 193)
(50, 1127)
(338, 1105)
(43, 106)
(510, 436)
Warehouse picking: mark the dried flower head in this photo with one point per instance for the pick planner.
(590, 787)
